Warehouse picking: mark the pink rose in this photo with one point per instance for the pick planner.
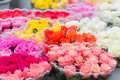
(112, 63)
(26, 72)
(86, 53)
(69, 70)
(34, 72)
(46, 65)
(13, 77)
(18, 73)
(96, 51)
(72, 53)
(61, 52)
(93, 59)
(52, 55)
(66, 60)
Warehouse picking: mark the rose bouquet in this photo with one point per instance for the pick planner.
(51, 4)
(81, 59)
(67, 35)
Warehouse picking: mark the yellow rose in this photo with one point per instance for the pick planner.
(56, 27)
(33, 23)
(55, 5)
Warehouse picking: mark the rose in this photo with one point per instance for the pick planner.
(69, 70)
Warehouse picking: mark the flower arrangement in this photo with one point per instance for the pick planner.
(81, 59)
(23, 66)
(50, 4)
(11, 44)
(81, 10)
(67, 35)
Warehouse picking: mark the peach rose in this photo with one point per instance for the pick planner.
(66, 60)
(96, 51)
(72, 53)
(104, 58)
(52, 55)
(95, 68)
(93, 59)
(105, 68)
(69, 70)
(85, 70)
(86, 53)
(79, 61)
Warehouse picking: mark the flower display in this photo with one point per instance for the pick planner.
(10, 45)
(51, 4)
(67, 35)
(81, 58)
(23, 66)
(81, 10)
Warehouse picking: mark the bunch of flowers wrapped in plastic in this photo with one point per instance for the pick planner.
(67, 35)
(51, 4)
(35, 29)
(81, 58)
(52, 14)
(93, 25)
(15, 13)
(109, 13)
(108, 39)
(23, 66)
(12, 23)
(11, 44)
(81, 9)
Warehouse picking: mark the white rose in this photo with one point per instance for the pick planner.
(73, 23)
